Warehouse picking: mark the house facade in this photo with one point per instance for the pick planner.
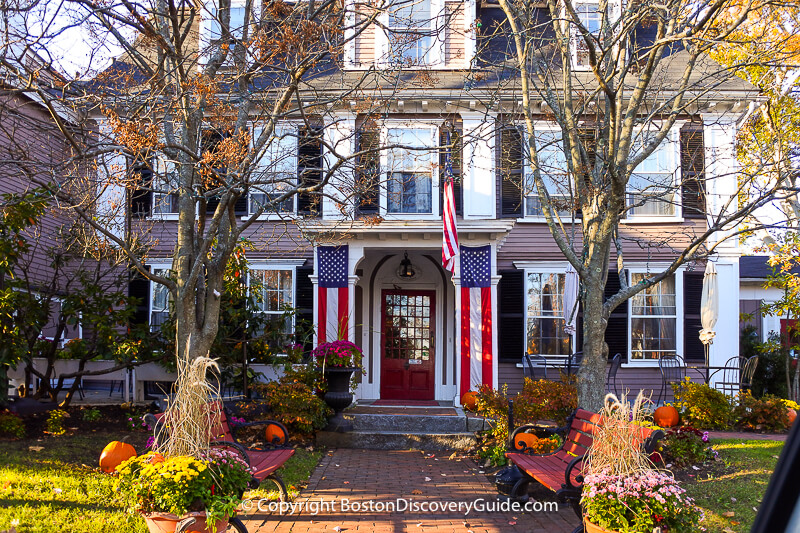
(367, 266)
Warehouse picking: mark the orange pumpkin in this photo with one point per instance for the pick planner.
(792, 415)
(156, 458)
(275, 434)
(470, 400)
(114, 453)
(524, 440)
(666, 416)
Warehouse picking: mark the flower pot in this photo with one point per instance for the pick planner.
(338, 396)
(588, 527)
(168, 523)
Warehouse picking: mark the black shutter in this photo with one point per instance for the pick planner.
(368, 170)
(693, 188)
(692, 294)
(304, 308)
(617, 335)
(511, 315)
(511, 167)
(240, 207)
(142, 193)
(456, 162)
(139, 288)
(309, 169)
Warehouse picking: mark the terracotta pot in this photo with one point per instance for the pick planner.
(168, 522)
(591, 528)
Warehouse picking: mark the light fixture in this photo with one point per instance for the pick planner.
(406, 270)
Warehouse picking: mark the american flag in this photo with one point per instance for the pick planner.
(449, 232)
(476, 317)
(332, 298)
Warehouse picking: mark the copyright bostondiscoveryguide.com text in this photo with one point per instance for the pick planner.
(400, 505)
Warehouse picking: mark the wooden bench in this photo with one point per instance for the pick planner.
(264, 460)
(560, 471)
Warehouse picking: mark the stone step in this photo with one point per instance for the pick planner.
(397, 440)
(408, 423)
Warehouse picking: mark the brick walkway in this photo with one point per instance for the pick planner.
(364, 477)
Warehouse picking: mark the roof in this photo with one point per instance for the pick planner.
(758, 267)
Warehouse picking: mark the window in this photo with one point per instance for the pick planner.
(273, 290)
(651, 187)
(553, 169)
(410, 166)
(591, 18)
(211, 28)
(275, 171)
(410, 32)
(545, 316)
(165, 186)
(160, 300)
(654, 318)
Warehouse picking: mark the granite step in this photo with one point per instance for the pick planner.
(397, 440)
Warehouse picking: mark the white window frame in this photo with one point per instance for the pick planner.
(284, 265)
(386, 171)
(543, 267)
(154, 267)
(671, 145)
(210, 27)
(163, 169)
(577, 39)
(529, 184)
(289, 131)
(679, 312)
(384, 57)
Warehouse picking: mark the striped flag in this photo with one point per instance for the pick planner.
(476, 317)
(449, 231)
(333, 296)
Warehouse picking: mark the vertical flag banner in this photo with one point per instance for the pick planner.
(476, 317)
(449, 230)
(333, 296)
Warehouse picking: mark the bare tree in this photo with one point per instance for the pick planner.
(617, 80)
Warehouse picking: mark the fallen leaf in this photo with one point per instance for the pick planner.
(336, 528)
(512, 523)
(453, 456)
(346, 482)
(755, 509)
(323, 477)
(427, 479)
(733, 499)
(729, 514)
(695, 468)
(728, 530)
(419, 525)
(444, 475)
(35, 448)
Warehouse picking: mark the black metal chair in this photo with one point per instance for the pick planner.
(673, 370)
(534, 366)
(737, 375)
(616, 362)
(573, 363)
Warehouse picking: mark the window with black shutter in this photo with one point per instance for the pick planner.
(693, 188)
(511, 315)
(309, 169)
(692, 295)
(304, 308)
(211, 140)
(511, 165)
(368, 170)
(451, 137)
(142, 193)
(139, 288)
(617, 335)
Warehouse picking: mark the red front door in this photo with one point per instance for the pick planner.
(408, 332)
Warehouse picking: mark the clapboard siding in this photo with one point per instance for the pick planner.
(364, 42)
(455, 36)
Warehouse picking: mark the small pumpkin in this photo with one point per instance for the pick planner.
(155, 458)
(792, 415)
(666, 416)
(114, 454)
(275, 434)
(470, 400)
(524, 440)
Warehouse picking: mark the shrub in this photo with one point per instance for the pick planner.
(91, 415)
(295, 405)
(55, 422)
(701, 406)
(770, 374)
(686, 446)
(11, 425)
(764, 414)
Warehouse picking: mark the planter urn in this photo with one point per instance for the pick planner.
(194, 522)
(338, 396)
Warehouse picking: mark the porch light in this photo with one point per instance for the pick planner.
(406, 270)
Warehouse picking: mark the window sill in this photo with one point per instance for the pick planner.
(641, 364)
(652, 220)
(411, 216)
(164, 216)
(272, 218)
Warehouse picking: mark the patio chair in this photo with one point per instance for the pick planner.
(534, 366)
(737, 375)
(672, 371)
(573, 363)
(616, 362)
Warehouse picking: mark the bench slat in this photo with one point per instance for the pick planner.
(267, 462)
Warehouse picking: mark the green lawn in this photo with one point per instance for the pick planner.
(60, 488)
(750, 464)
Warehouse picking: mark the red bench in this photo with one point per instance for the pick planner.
(560, 471)
(264, 460)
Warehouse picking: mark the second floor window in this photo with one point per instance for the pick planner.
(409, 186)
(591, 18)
(410, 33)
(275, 171)
(651, 187)
(553, 169)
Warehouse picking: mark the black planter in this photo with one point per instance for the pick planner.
(338, 396)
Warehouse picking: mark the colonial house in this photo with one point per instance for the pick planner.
(368, 266)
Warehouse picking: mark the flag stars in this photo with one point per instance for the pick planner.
(476, 266)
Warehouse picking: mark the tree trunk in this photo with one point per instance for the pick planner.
(592, 374)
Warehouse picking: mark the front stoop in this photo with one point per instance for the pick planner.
(399, 428)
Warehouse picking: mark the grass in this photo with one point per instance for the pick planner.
(60, 488)
(740, 488)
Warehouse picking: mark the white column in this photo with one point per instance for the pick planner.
(478, 180)
(456, 279)
(341, 136)
(721, 173)
(726, 340)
